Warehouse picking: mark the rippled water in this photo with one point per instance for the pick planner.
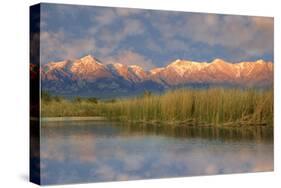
(73, 152)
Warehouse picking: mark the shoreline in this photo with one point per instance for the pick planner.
(74, 118)
(168, 123)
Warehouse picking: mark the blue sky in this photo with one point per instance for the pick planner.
(151, 38)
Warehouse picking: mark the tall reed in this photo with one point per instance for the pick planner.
(214, 106)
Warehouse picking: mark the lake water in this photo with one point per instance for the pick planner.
(73, 152)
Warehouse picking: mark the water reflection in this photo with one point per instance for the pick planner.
(74, 152)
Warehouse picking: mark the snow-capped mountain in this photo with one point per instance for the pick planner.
(182, 72)
(86, 68)
(131, 73)
(89, 76)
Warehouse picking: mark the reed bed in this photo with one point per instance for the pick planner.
(216, 106)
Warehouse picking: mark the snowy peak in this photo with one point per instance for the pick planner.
(118, 69)
(136, 67)
(156, 70)
(52, 66)
(175, 62)
(218, 61)
(217, 71)
(183, 66)
(88, 59)
(85, 68)
(88, 62)
(260, 61)
(186, 64)
(132, 73)
(178, 72)
(138, 72)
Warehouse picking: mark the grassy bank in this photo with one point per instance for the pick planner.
(210, 106)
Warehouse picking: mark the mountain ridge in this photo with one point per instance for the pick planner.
(87, 74)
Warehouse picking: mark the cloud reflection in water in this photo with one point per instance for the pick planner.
(103, 151)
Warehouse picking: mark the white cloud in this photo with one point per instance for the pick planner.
(152, 45)
(54, 45)
(105, 17)
(254, 35)
(125, 12)
(128, 57)
(110, 27)
(132, 27)
(110, 39)
(129, 27)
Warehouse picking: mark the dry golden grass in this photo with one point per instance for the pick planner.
(215, 106)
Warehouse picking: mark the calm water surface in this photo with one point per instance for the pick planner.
(73, 152)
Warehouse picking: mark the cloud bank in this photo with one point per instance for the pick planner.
(154, 37)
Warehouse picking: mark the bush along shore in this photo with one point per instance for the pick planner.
(213, 107)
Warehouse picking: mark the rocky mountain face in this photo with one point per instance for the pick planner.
(87, 76)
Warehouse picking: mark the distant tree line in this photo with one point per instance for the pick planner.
(47, 97)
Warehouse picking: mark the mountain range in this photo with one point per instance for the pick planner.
(88, 76)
